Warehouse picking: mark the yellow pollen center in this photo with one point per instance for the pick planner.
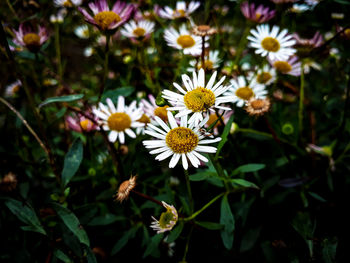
(186, 41)
(139, 32)
(105, 18)
(270, 44)
(31, 39)
(119, 121)
(180, 13)
(212, 118)
(144, 119)
(244, 93)
(257, 104)
(263, 77)
(199, 99)
(208, 65)
(86, 124)
(67, 3)
(347, 32)
(257, 15)
(162, 112)
(282, 66)
(181, 140)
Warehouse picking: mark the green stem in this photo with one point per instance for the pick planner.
(194, 215)
(105, 67)
(219, 170)
(58, 53)
(241, 44)
(301, 100)
(189, 191)
(187, 245)
(11, 9)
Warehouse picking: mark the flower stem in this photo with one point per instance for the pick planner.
(187, 244)
(219, 170)
(189, 191)
(241, 44)
(58, 53)
(147, 197)
(194, 215)
(203, 54)
(301, 101)
(105, 72)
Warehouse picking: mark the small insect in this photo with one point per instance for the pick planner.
(204, 132)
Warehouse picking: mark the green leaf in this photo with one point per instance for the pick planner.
(244, 183)
(26, 214)
(61, 256)
(317, 197)
(124, 240)
(247, 168)
(201, 176)
(72, 222)
(344, 2)
(153, 245)
(62, 99)
(90, 256)
(249, 239)
(175, 233)
(115, 93)
(72, 161)
(224, 136)
(106, 219)
(210, 225)
(329, 250)
(226, 219)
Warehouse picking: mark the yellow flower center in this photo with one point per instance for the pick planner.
(139, 32)
(179, 13)
(86, 124)
(162, 112)
(181, 140)
(119, 121)
(186, 41)
(257, 104)
(244, 93)
(208, 65)
(144, 119)
(347, 32)
(270, 44)
(15, 89)
(282, 66)
(263, 77)
(67, 3)
(257, 15)
(212, 118)
(166, 218)
(31, 39)
(105, 18)
(199, 99)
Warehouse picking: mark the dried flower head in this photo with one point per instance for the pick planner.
(8, 183)
(203, 30)
(167, 219)
(258, 106)
(125, 188)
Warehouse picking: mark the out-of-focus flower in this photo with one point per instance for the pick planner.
(25, 37)
(213, 117)
(88, 51)
(222, 10)
(67, 3)
(272, 43)
(211, 62)
(260, 14)
(283, 1)
(119, 120)
(257, 106)
(264, 76)
(299, 8)
(314, 42)
(181, 10)
(50, 82)
(8, 183)
(105, 18)
(82, 31)
(179, 141)
(125, 188)
(183, 40)
(167, 219)
(203, 30)
(323, 150)
(139, 29)
(241, 91)
(59, 17)
(292, 66)
(198, 98)
(81, 123)
(310, 64)
(337, 16)
(151, 109)
(12, 89)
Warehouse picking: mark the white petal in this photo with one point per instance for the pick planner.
(184, 161)
(174, 160)
(112, 136)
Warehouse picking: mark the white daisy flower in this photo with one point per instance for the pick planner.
(179, 141)
(264, 76)
(183, 40)
(88, 51)
(242, 91)
(167, 219)
(82, 32)
(181, 10)
(59, 17)
(211, 62)
(142, 28)
(12, 89)
(67, 3)
(118, 120)
(271, 43)
(198, 98)
(290, 66)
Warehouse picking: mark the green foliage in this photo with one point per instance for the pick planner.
(228, 221)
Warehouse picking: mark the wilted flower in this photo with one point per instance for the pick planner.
(25, 37)
(120, 119)
(105, 18)
(12, 89)
(167, 219)
(257, 106)
(185, 141)
(198, 98)
(271, 43)
(81, 123)
(203, 30)
(125, 188)
(292, 66)
(138, 29)
(314, 42)
(261, 14)
(183, 40)
(181, 10)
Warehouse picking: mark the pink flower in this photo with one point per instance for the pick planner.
(105, 18)
(80, 123)
(291, 66)
(260, 14)
(315, 41)
(26, 37)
